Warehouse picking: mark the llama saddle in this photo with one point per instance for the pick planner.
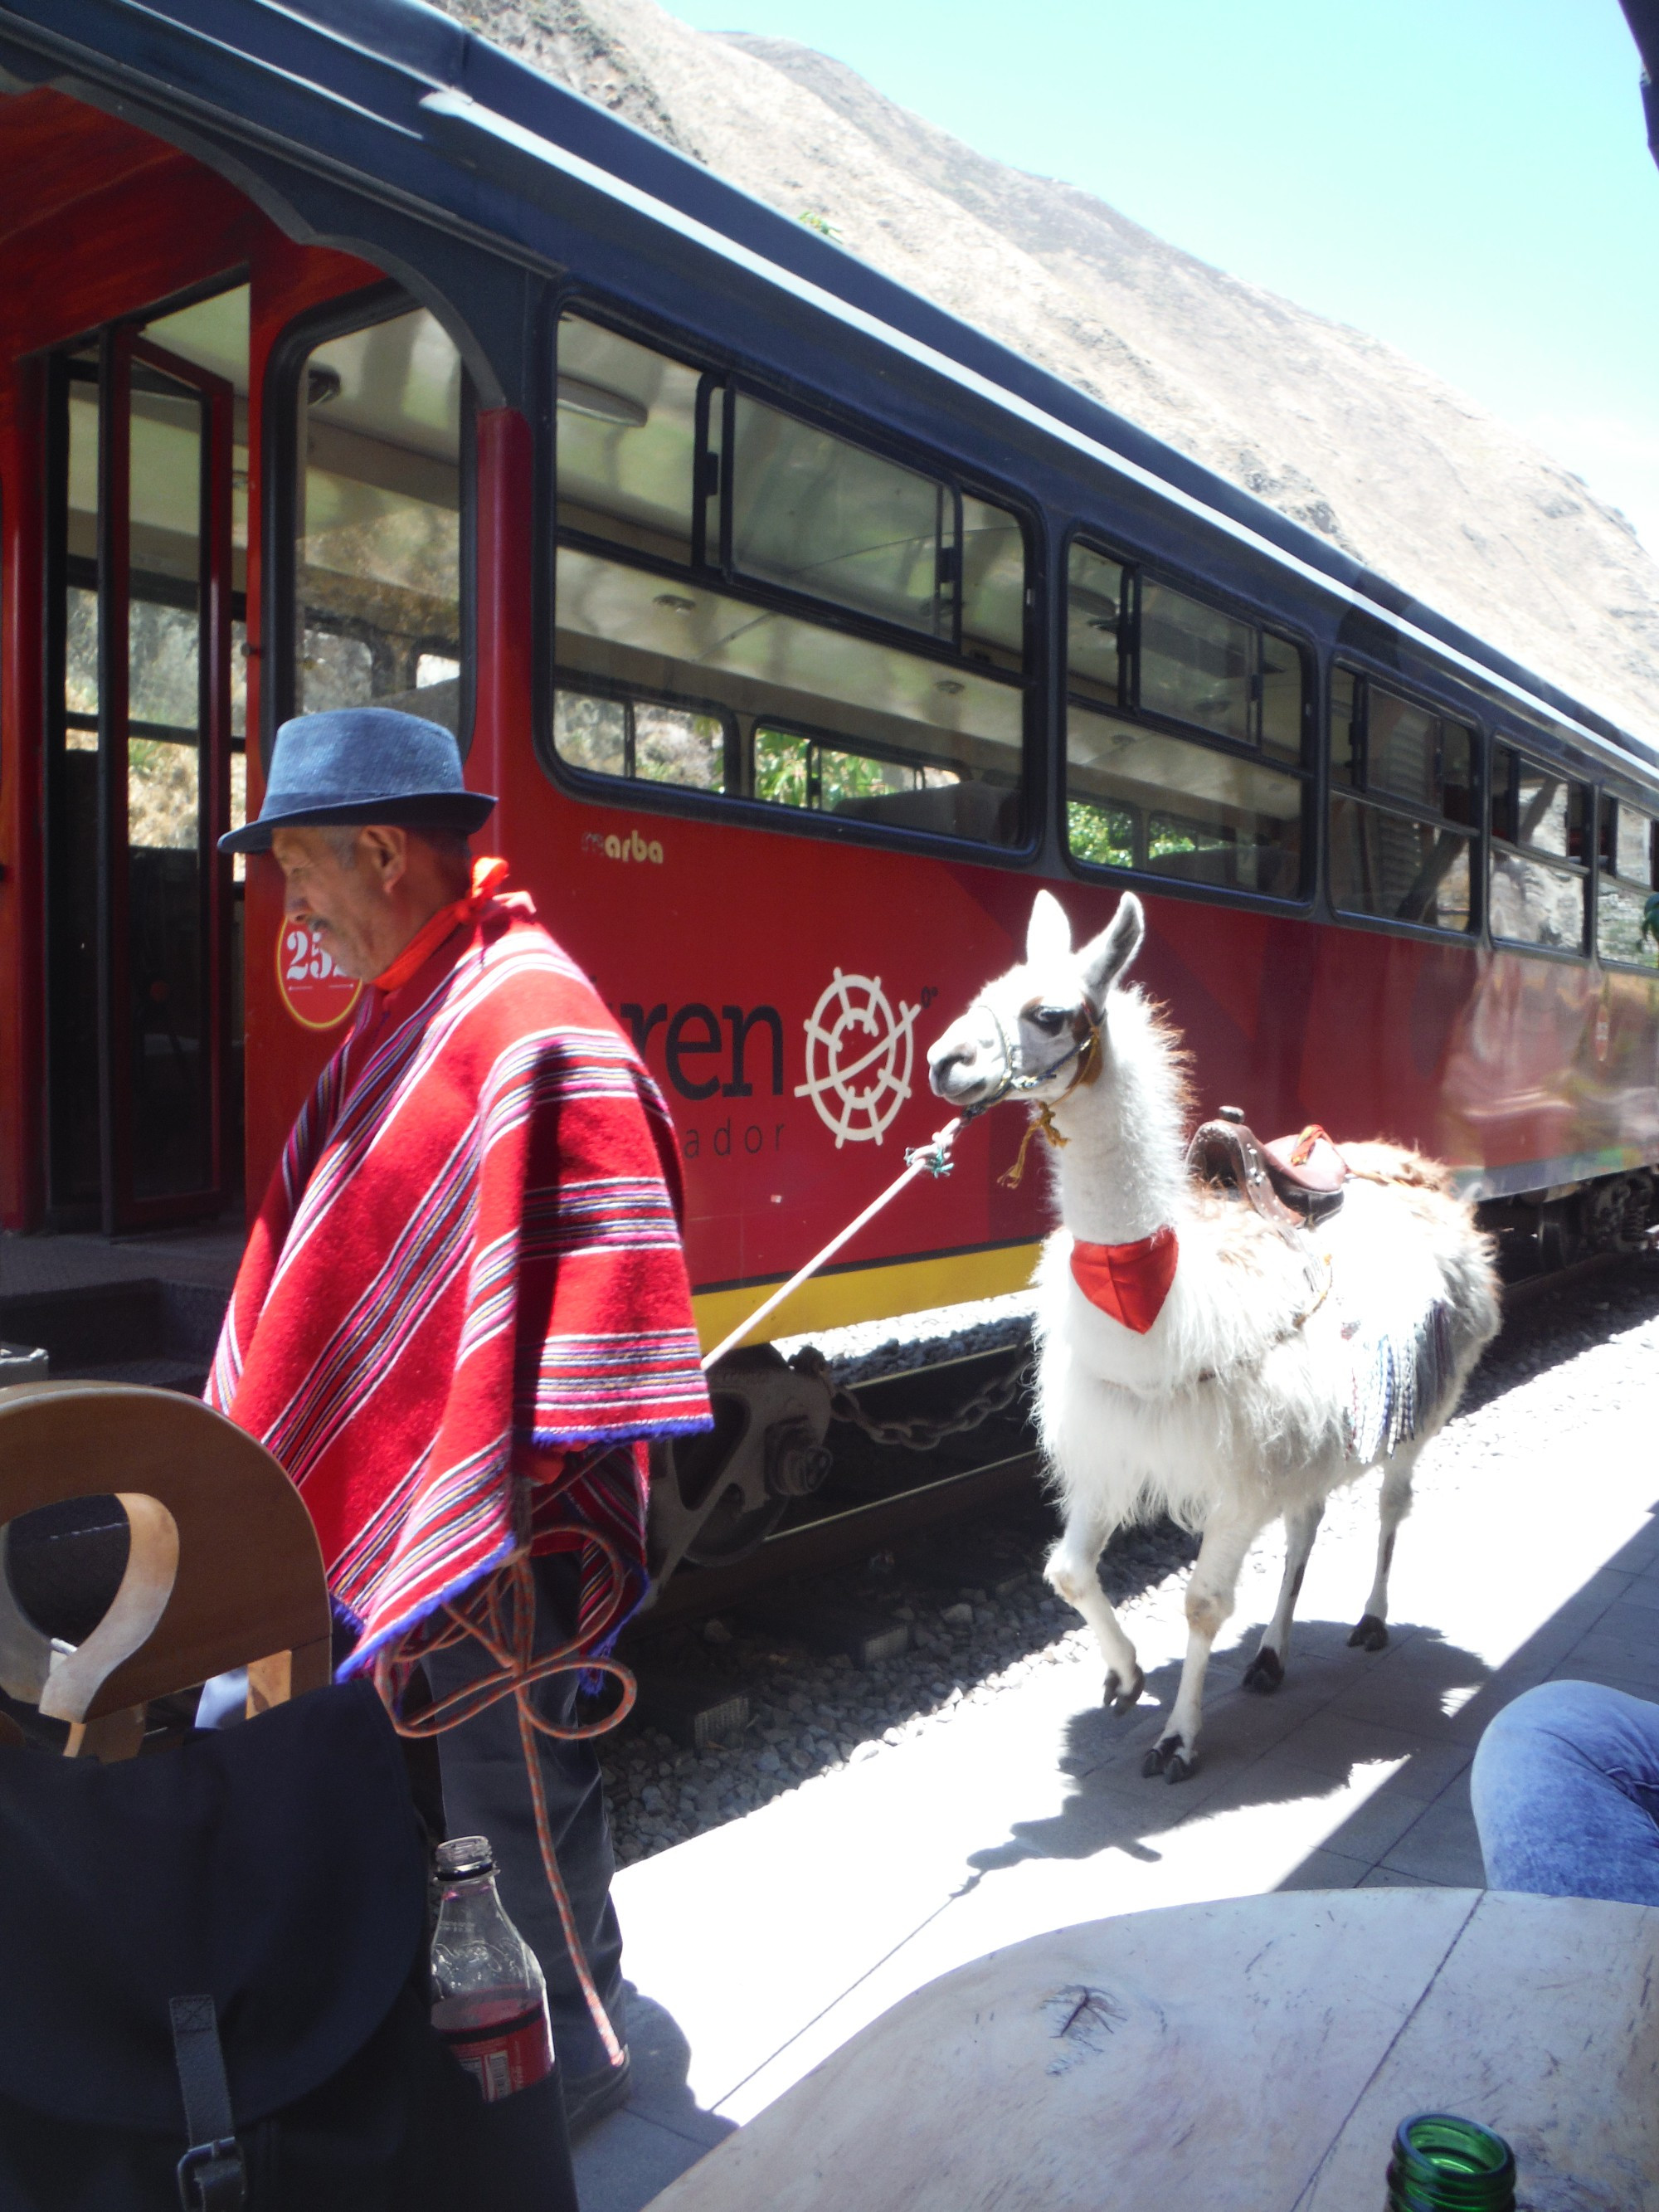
(1291, 1183)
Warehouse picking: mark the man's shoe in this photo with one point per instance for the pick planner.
(589, 2097)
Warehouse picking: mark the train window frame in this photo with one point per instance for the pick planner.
(1283, 627)
(280, 463)
(721, 376)
(1528, 752)
(1646, 806)
(1459, 712)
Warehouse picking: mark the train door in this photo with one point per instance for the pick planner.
(144, 601)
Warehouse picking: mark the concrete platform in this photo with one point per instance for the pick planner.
(760, 1947)
(144, 1309)
(31, 1266)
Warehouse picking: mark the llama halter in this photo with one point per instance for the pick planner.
(1084, 1061)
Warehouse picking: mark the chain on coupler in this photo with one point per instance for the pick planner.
(919, 1435)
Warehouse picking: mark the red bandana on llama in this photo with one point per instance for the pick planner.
(1129, 1281)
(466, 1270)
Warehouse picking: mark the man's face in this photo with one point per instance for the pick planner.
(342, 902)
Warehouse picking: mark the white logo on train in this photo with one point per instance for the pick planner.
(858, 1057)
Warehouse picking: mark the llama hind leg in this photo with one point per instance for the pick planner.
(1267, 1670)
(1071, 1573)
(1372, 1631)
(1209, 1594)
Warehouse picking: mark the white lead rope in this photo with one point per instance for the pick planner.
(934, 1158)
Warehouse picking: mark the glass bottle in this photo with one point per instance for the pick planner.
(490, 1994)
(1443, 2164)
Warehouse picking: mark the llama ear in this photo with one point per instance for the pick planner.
(1048, 934)
(1104, 960)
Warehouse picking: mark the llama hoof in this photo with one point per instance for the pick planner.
(1265, 1672)
(1122, 1697)
(1168, 1759)
(1371, 1635)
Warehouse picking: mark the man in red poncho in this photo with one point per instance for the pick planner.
(463, 1306)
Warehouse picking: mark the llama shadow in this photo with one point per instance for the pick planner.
(1338, 1708)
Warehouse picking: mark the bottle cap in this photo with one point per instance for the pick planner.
(463, 1857)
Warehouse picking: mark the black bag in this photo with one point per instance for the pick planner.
(259, 1891)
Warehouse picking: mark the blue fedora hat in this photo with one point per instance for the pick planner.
(363, 764)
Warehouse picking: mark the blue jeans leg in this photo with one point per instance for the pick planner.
(1565, 1789)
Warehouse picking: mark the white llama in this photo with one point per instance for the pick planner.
(1193, 1359)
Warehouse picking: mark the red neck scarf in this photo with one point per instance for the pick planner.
(1129, 1281)
(486, 875)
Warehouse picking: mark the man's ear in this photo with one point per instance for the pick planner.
(383, 850)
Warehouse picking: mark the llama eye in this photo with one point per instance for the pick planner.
(1049, 1019)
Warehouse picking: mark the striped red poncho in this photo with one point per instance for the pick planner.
(466, 1269)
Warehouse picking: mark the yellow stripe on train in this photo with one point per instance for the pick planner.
(880, 1293)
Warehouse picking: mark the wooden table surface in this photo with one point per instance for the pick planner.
(1254, 2054)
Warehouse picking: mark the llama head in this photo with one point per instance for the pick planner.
(1024, 1034)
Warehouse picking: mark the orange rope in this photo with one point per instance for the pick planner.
(1302, 1152)
(501, 1614)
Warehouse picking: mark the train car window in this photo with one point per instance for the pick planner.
(1228, 813)
(214, 334)
(819, 515)
(1539, 887)
(674, 746)
(1096, 619)
(1139, 799)
(627, 442)
(1196, 665)
(1345, 727)
(1626, 913)
(377, 549)
(1283, 721)
(992, 585)
(592, 733)
(641, 737)
(704, 671)
(1402, 808)
(940, 749)
(792, 770)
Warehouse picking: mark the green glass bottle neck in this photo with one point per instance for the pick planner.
(1444, 2164)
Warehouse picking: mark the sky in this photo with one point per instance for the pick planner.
(1466, 180)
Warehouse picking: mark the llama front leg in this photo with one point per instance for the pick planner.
(1267, 1670)
(1071, 1572)
(1209, 1594)
(1372, 1631)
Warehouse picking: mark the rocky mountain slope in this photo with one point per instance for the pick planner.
(1323, 422)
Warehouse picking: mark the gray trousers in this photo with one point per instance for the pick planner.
(486, 1793)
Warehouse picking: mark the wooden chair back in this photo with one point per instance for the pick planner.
(222, 1570)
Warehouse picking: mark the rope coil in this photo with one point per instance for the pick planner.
(500, 1613)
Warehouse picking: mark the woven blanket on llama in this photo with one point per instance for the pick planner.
(465, 1287)
(1400, 1364)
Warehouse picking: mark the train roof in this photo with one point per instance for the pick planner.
(403, 102)
(1642, 16)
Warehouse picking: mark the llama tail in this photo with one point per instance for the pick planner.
(1397, 1377)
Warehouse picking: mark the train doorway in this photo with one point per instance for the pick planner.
(145, 582)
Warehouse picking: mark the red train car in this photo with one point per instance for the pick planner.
(802, 630)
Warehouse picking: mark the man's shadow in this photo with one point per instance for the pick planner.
(1112, 1807)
